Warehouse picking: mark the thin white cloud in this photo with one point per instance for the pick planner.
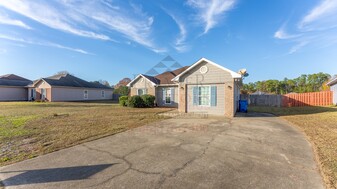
(281, 34)
(4, 19)
(47, 44)
(316, 29)
(179, 44)
(211, 11)
(49, 16)
(297, 47)
(90, 18)
(134, 25)
(325, 10)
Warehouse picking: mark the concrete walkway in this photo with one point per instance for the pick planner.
(258, 151)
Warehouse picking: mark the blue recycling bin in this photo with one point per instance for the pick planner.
(243, 106)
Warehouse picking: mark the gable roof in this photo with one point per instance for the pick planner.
(161, 79)
(13, 77)
(14, 80)
(166, 77)
(332, 81)
(233, 74)
(67, 80)
(152, 80)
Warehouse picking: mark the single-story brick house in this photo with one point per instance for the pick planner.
(66, 87)
(203, 87)
(333, 87)
(13, 88)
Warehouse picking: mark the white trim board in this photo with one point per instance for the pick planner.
(140, 75)
(233, 74)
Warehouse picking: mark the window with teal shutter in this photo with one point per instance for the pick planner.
(164, 95)
(195, 96)
(213, 95)
(172, 94)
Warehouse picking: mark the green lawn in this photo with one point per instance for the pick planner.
(320, 125)
(29, 129)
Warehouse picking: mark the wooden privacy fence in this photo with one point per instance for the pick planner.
(323, 98)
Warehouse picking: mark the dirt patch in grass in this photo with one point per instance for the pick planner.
(30, 129)
(320, 125)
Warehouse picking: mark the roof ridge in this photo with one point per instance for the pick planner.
(13, 77)
(68, 80)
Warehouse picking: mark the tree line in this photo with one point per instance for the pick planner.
(302, 84)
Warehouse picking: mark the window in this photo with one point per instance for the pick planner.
(85, 93)
(167, 95)
(204, 97)
(141, 91)
(203, 69)
(103, 94)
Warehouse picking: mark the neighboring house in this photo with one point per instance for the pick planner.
(333, 87)
(259, 93)
(204, 87)
(66, 87)
(13, 88)
(161, 86)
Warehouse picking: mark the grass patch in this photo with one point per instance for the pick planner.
(320, 125)
(30, 129)
(12, 126)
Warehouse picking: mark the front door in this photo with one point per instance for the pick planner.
(32, 94)
(43, 94)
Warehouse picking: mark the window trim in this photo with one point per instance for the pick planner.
(143, 89)
(166, 95)
(102, 93)
(43, 93)
(209, 97)
(85, 96)
(33, 93)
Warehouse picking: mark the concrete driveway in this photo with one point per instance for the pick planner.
(258, 151)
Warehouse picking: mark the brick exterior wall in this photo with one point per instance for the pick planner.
(182, 97)
(229, 99)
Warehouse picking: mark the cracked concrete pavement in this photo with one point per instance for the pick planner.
(254, 151)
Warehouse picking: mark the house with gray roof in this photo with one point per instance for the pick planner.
(66, 87)
(13, 88)
(203, 87)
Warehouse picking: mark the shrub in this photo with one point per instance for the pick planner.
(136, 102)
(148, 100)
(123, 100)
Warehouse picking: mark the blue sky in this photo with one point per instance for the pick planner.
(110, 39)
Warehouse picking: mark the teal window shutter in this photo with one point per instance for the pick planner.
(172, 94)
(195, 96)
(213, 95)
(164, 95)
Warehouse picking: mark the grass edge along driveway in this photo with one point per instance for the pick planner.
(320, 126)
(30, 129)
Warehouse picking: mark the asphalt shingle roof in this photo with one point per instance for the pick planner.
(67, 80)
(14, 80)
(151, 78)
(166, 77)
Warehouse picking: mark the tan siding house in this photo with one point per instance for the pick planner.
(66, 87)
(13, 88)
(161, 86)
(204, 87)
